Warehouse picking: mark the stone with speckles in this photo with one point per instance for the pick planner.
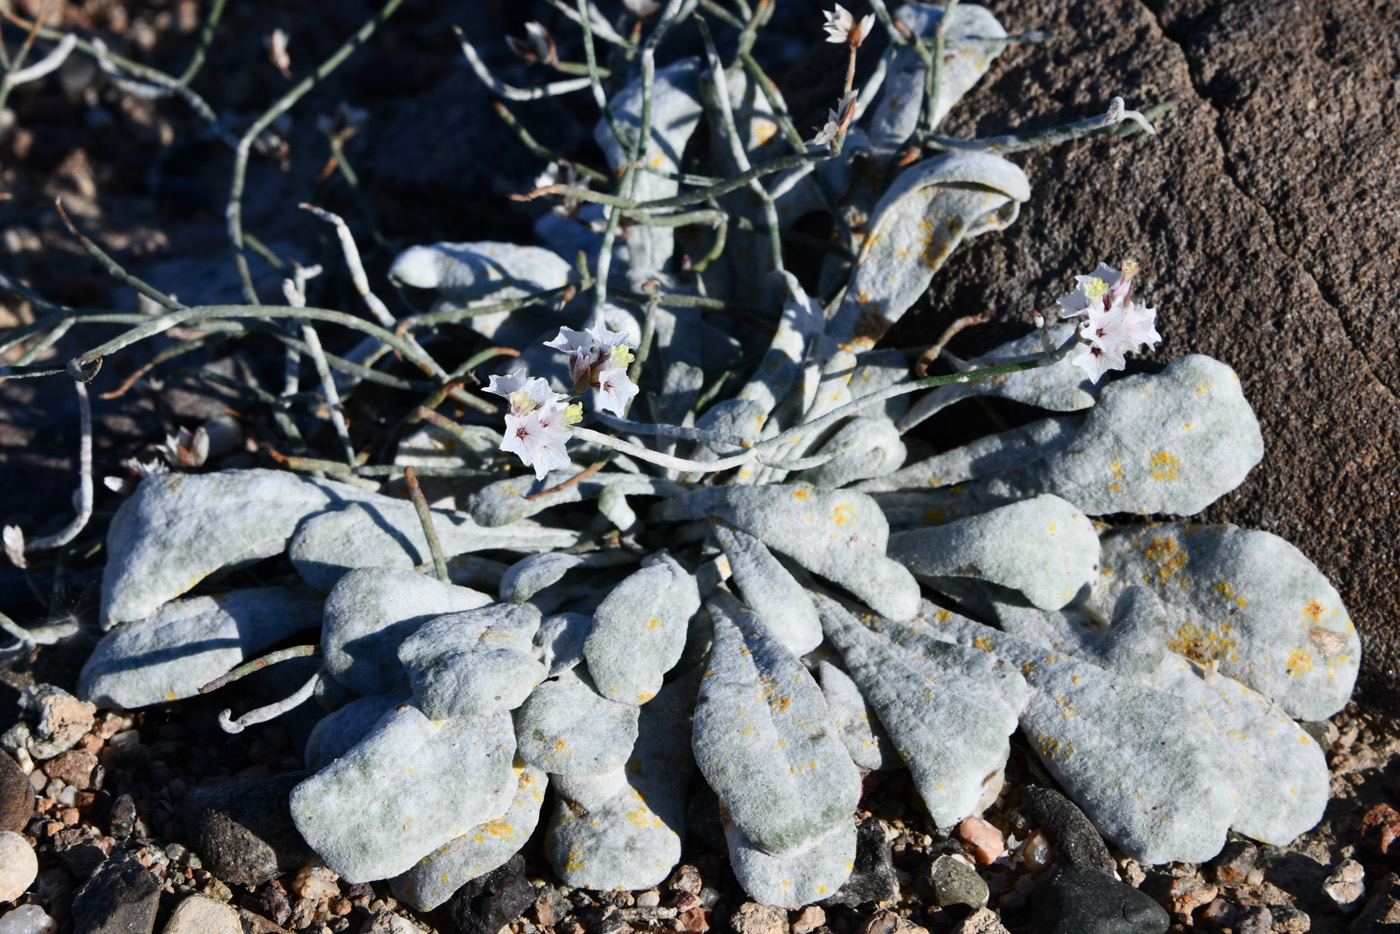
(765, 741)
(639, 630)
(1248, 600)
(480, 850)
(411, 786)
(949, 710)
(1044, 547)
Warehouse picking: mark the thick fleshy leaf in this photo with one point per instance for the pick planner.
(567, 728)
(474, 663)
(988, 456)
(765, 741)
(408, 788)
(179, 528)
(478, 851)
(639, 630)
(185, 644)
(1247, 600)
(529, 576)
(389, 533)
(1143, 765)
(675, 112)
(506, 501)
(560, 640)
(371, 611)
(1043, 547)
(797, 879)
(857, 722)
(771, 591)
(948, 710)
(967, 57)
(467, 275)
(630, 839)
(837, 534)
(341, 730)
(932, 207)
(864, 447)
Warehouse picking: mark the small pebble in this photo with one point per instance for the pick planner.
(199, 914)
(954, 882)
(77, 768)
(1235, 862)
(648, 899)
(57, 720)
(982, 840)
(1189, 893)
(18, 865)
(753, 918)
(1345, 887)
(1036, 853)
(810, 918)
(16, 796)
(1256, 920)
(1221, 913)
(315, 882)
(1380, 828)
(27, 919)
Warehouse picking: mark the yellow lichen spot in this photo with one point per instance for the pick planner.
(1238, 735)
(1165, 466)
(801, 495)
(1114, 488)
(1054, 528)
(1299, 662)
(933, 516)
(653, 622)
(1201, 645)
(559, 744)
(943, 616)
(644, 696)
(1312, 613)
(575, 862)
(843, 514)
(781, 704)
(1117, 470)
(1189, 425)
(1165, 557)
(982, 643)
(1028, 669)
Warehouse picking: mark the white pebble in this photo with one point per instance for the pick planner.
(18, 866)
(200, 914)
(27, 919)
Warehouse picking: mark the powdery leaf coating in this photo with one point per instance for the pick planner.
(770, 591)
(371, 611)
(639, 630)
(1281, 773)
(948, 710)
(474, 663)
(931, 208)
(339, 731)
(1043, 547)
(800, 878)
(856, 721)
(765, 741)
(411, 786)
(1250, 601)
(896, 115)
(179, 528)
(186, 644)
(837, 534)
(484, 273)
(1143, 765)
(560, 640)
(868, 446)
(478, 851)
(388, 533)
(506, 501)
(529, 576)
(632, 838)
(1172, 442)
(567, 728)
(987, 457)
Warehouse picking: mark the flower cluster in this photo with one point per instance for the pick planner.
(843, 28)
(537, 424)
(1113, 326)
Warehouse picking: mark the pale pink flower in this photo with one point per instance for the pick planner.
(1113, 326)
(598, 358)
(842, 27)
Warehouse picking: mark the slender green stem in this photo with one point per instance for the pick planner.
(425, 517)
(114, 269)
(595, 78)
(245, 143)
(258, 664)
(206, 36)
(544, 152)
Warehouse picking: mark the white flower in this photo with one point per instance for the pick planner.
(598, 358)
(579, 345)
(136, 471)
(615, 390)
(642, 9)
(537, 425)
(842, 27)
(836, 120)
(184, 449)
(1113, 326)
(537, 46)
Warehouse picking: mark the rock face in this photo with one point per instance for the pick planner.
(1261, 218)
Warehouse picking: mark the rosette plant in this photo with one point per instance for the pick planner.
(733, 554)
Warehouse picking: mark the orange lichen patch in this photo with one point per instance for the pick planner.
(1164, 557)
(1054, 528)
(843, 514)
(1299, 662)
(644, 696)
(575, 862)
(801, 495)
(1227, 591)
(1199, 644)
(498, 828)
(982, 643)
(943, 616)
(780, 704)
(559, 744)
(1165, 466)
(1050, 747)
(1189, 425)
(1312, 613)
(653, 622)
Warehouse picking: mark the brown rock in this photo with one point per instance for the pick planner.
(1189, 893)
(1235, 862)
(57, 720)
(16, 796)
(753, 918)
(694, 919)
(1263, 216)
(810, 918)
(257, 924)
(983, 841)
(1380, 828)
(75, 767)
(983, 921)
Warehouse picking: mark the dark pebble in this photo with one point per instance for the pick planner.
(77, 850)
(244, 832)
(1076, 900)
(16, 796)
(704, 827)
(873, 878)
(1256, 920)
(274, 904)
(955, 883)
(120, 898)
(122, 818)
(1072, 834)
(1235, 862)
(489, 902)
